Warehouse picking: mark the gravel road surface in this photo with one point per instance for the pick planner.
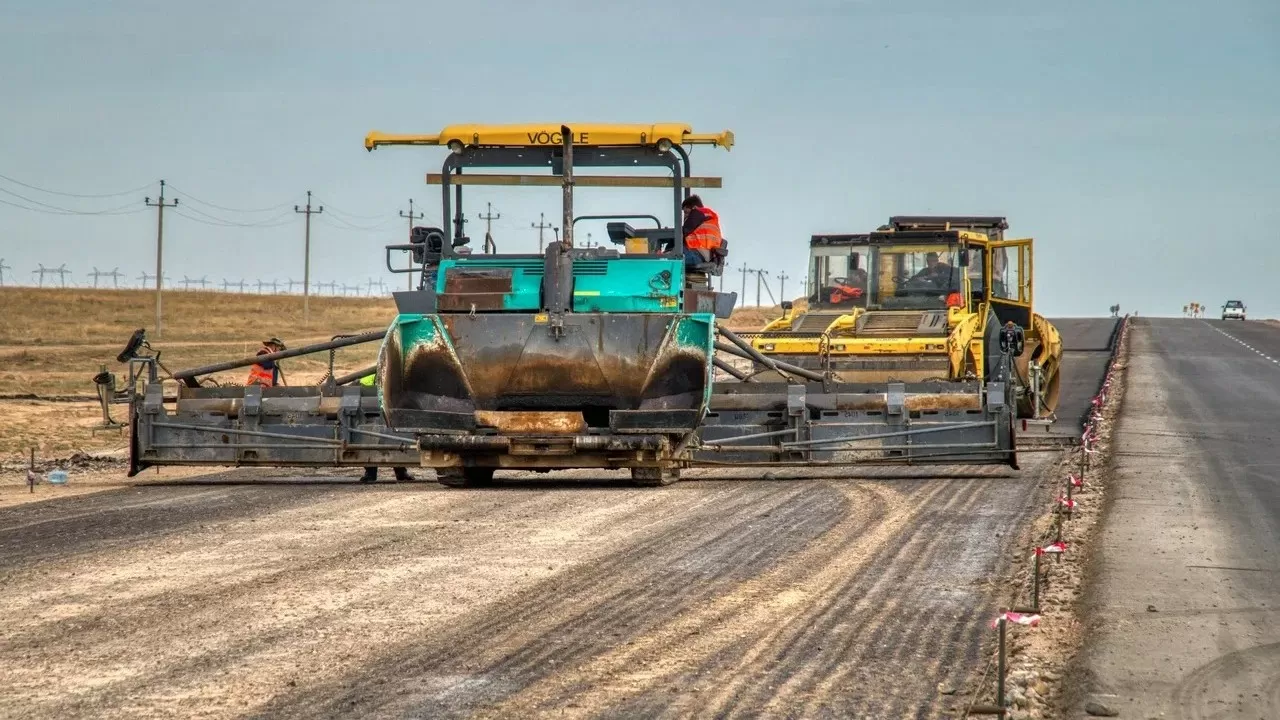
(816, 594)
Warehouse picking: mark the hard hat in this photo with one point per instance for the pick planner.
(275, 341)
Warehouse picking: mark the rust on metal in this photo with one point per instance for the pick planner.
(942, 401)
(475, 288)
(532, 422)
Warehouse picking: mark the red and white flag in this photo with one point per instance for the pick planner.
(1066, 502)
(1017, 619)
(1075, 480)
(1057, 547)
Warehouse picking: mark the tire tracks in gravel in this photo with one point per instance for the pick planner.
(568, 622)
(117, 628)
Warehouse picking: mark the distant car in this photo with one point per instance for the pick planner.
(1233, 310)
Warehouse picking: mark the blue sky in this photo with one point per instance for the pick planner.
(1137, 142)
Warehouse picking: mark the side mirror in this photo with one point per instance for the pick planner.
(853, 261)
(964, 257)
(787, 305)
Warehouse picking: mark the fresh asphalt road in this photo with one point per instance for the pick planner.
(1184, 607)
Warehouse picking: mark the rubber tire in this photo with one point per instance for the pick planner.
(654, 476)
(465, 476)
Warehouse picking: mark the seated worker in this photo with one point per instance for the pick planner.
(267, 373)
(701, 231)
(936, 271)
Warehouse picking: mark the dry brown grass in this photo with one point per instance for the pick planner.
(33, 317)
(52, 342)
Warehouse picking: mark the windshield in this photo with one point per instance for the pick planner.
(838, 277)
(1234, 304)
(914, 276)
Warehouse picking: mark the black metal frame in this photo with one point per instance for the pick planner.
(676, 159)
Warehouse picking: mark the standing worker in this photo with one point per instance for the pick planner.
(371, 471)
(701, 230)
(266, 372)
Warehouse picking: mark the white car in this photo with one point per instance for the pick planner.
(1233, 310)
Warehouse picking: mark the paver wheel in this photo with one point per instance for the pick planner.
(465, 476)
(654, 476)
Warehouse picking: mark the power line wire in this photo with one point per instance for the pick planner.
(189, 196)
(353, 216)
(266, 222)
(220, 223)
(55, 210)
(345, 225)
(73, 195)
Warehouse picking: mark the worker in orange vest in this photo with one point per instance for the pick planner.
(701, 231)
(266, 372)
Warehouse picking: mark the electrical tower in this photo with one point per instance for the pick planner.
(3, 267)
(744, 270)
(541, 225)
(306, 261)
(95, 275)
(490, 247)
(115, 276)
(371, 284)
(293, 283)
(159, 205)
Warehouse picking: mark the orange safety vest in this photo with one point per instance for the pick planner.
(707, 235)
(259, 375)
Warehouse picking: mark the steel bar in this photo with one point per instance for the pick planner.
(776, 365)
(357, 375)
(903, 433)
(783, 447)
(591, 181)
(249, 433)
(189, 376)
(735, 372)
(753, 436)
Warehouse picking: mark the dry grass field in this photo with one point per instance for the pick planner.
(53, 341)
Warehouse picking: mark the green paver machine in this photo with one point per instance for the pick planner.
(576, 357)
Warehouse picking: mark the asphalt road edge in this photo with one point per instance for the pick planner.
(1042, 677)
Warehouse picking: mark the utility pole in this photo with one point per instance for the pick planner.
(3, 267)
(744, 270)
(782, 285)
(115, 276)
(759, 281)
(541, 225)
(411, 217)
(143, 279)
(306, 262)
(292, 284)
(490, 247)
(95, 275)
(159, 205)
(40, 271)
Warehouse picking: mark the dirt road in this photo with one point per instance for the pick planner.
(1184, 616)
(809, 595)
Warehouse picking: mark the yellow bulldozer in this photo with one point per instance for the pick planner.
(922, 299)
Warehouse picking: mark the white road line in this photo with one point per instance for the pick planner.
(1247, 345)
